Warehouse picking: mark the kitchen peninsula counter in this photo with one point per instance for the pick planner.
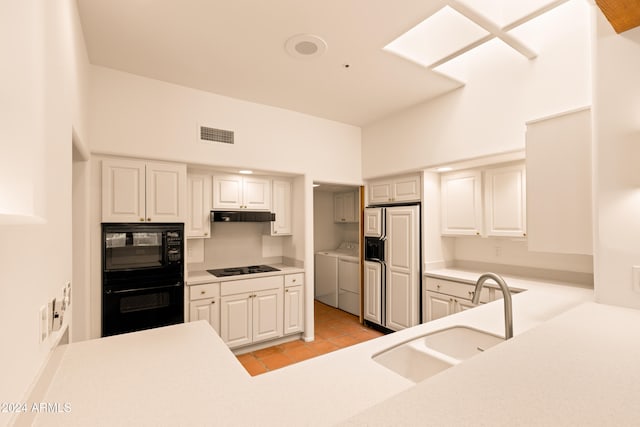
(578, 368)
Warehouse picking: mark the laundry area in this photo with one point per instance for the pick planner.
(336, 244)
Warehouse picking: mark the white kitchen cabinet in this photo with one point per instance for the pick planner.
(445, 297)
(373, 222)
(281, 206)
(251, 310)
(372, 293)
(394, 190)
(206, 309)
(138, 191)
(204, 304)
(236, 323)
(293, 309)
(344, 207)
(461, 203)
(241, 192)
(198, 223)
(505, 201)
(559, 212)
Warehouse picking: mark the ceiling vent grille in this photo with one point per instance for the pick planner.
(216, 135)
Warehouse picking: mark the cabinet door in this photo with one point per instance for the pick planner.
(293, 309)
(462, 304)
(198, 206)
(166, 192)
(380, 192)
(461, 199)
(123, 191)
(227, 192)
(338, 208)
(350, 210)
(256, 193)
(505, 201)
(267, 314)
(402, 260)
(236, 319)
(282, 208)
(206, 309)
(373, 292)
(437, 305)
(406, 189)
(373, 222)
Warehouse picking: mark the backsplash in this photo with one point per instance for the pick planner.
(236, 244)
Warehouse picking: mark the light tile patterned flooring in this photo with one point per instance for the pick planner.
(334, 329)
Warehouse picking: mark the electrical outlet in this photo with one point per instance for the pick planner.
(43, 322)
(498, 251)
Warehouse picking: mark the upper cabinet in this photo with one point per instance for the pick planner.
(394, 190)
(505, 201)
(241, 192)
(198, 223)
(137, 191)
(559, 208)
(461, 200)
(344, 207)
(500, 212)
(281, 203)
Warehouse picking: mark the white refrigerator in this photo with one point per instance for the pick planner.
(392, 266)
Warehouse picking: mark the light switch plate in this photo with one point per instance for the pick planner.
(635, 280)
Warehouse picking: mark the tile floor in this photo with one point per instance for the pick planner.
(334, 329)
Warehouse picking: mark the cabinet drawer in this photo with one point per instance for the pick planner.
(250, 285)
(457, 289)
(208, 290)
(293, 279)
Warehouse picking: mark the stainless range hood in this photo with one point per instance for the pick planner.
(242, 216)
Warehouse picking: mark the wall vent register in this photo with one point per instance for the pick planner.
(216, 135)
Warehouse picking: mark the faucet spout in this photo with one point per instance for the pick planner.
(508, 310)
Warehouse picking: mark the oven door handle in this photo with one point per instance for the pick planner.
(153, 288)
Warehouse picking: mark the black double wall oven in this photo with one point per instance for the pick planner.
(142, 276)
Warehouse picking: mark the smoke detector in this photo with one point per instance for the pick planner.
(305, 46)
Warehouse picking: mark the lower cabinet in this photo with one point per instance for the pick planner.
(204, 304)
(445, 297)
(251, 317)
(293, 309)
(248, 311)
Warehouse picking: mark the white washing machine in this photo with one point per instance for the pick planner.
(337, 277)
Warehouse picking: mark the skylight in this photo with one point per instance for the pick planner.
(437, 37)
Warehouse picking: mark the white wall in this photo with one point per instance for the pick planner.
(140, 117)
(36, 259)
(503, 90)
(617, 151)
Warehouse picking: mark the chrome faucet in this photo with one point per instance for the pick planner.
(508, 311)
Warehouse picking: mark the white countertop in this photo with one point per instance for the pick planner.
(185, 375)
(202, 276)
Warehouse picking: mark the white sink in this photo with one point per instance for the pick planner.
(411, 361)
(461, 342)
(429, 354)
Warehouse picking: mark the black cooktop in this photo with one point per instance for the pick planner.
(237, 271)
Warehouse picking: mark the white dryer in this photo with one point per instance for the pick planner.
(337, 277)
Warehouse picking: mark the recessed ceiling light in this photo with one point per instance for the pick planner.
(316, 185)
(305, 46)
(245, 172)
(441, 35)
(444, 169)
